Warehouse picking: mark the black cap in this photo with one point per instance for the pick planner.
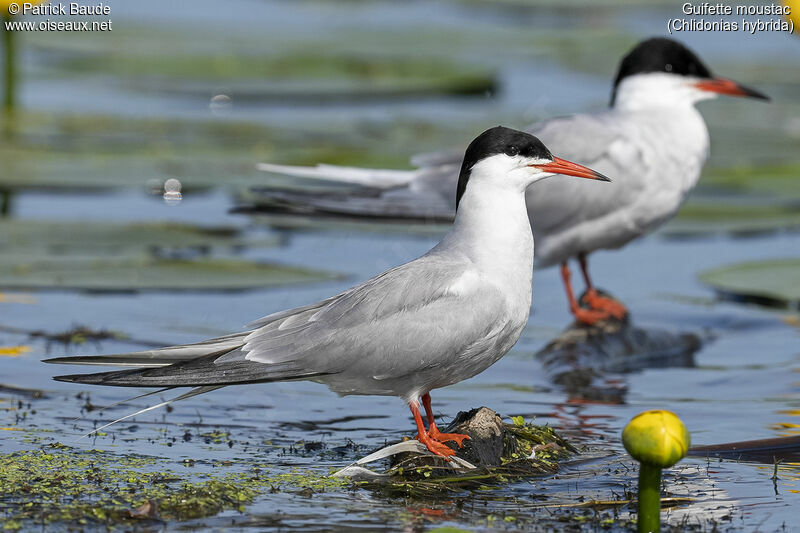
(660, 54)
(498, 140)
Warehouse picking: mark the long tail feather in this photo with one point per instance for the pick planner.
(184, 396)
(157, 357)
(372, 177)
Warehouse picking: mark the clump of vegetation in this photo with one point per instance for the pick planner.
(62, 484)
(522, 449)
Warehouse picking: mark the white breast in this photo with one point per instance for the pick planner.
(654, 162)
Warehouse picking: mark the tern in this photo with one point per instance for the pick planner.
(429, 323)
(652, 141)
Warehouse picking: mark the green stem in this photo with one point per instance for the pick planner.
(9, 61)
(5, 203)
(649, 519)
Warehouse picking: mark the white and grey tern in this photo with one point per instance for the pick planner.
(429, 323)
(652, 141)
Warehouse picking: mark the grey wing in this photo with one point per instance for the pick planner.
(386, 326)
(599, 142)
(394, 324)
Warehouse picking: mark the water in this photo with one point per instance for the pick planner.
(743, 385)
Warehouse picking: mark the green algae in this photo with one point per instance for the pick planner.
(60, 484)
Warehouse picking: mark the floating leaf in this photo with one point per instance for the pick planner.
(141, 273)
(782, 181)
(99, 152)
(259, 69)
(699, 218)
(774, 283)
(32, 236)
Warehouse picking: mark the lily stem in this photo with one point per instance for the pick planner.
(9, 62)
(649, 519)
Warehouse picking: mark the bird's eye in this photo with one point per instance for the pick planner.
(512, 151)
(668, 67)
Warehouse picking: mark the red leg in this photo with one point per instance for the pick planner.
(597, 302)
(584, 316)
(434, 446)
(433, 431)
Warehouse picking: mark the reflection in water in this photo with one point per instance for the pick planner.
(221, 105)
(769, 451)
(581, 357)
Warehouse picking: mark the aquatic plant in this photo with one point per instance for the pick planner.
(657, 439)
(61, 484)
(9, 59)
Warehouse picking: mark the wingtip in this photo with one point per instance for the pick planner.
(74, 378)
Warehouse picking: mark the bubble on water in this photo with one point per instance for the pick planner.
(220, 104)
(172, 191)
(172, 185)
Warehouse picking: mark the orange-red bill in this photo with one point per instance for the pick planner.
(730, 87)
(562, 166)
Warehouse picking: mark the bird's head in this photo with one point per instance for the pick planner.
(663, 71)
(510, 159)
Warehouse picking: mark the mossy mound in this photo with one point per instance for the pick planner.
(495, 454)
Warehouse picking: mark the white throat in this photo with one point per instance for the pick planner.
(492, 230)
(657, 90)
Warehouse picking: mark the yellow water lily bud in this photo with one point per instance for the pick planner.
(657, 438)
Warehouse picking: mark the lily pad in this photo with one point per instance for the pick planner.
(144, 273)
(17, 236)
(263, 69)
(76, 152)
(699, 218)
(783, 181)
(774, 283)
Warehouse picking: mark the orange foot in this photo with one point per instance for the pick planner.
(434, 446)
(590, 317)
(458, 438)
(605, 304)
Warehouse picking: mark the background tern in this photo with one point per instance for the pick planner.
(651, 140)
(429, 323)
